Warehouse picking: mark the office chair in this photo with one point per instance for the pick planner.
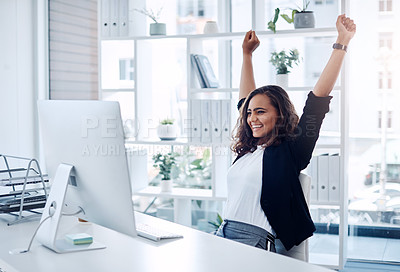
(299, 252)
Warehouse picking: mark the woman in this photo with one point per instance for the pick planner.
(273, 145)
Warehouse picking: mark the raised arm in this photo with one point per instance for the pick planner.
(346, 30)
(247, 82)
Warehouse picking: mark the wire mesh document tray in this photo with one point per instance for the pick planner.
(22, 187)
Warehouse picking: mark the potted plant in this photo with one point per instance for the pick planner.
(167, 130)
(165, 162)
(301, 17)
(282, 63)
(156, 28)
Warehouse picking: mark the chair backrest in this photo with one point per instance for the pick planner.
(299, 252)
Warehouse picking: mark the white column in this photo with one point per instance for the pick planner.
(17, 84)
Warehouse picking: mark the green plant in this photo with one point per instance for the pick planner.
(305, 6)
(167, 121)
(282, 61)
(150, 13)
(216, 224)
(290, 20)
(202, 165)
(165, 162)
(272, 23)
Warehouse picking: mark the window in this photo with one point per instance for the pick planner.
(117, 64)
(324, 2)
(389, 119)
(126, 69)
(192, 15)
(385, 5)
(385, 80)
(379, 119)
(385, 39)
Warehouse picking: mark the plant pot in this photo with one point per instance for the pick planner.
(210, 27)
(167, 132)
(166, 186)
(158, 29)
(304, 19)
(282, 80)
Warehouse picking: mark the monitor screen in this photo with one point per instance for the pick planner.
(89, 136)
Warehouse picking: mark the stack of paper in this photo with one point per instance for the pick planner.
(79, 238)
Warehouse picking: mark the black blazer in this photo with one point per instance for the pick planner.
(282, 198)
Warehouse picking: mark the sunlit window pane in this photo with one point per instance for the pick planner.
(163, 86)
(117, 60)
(184, 16)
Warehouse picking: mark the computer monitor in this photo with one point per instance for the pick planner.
(86, 161)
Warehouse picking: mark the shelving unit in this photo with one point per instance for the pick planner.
(305, 32)
(219, 49)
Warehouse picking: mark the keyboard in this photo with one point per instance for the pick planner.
(154, 233)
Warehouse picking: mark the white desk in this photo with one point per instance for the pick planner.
(197, 251)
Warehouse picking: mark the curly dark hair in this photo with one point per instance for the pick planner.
(285, 125)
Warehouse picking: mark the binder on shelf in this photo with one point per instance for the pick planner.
(323, 174)
(216, 121)
(206, 71)
(105, 18)
(195, 124)
(312, 171)
(123, 19)
(197, 71)
(226, 120)
(334, 178)
(114, 13)
(205, 121)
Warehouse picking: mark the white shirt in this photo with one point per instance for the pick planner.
(244, 191)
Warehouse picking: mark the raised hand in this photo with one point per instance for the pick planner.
(346, 29)
(250, 42)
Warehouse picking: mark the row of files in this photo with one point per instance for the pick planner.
(325, 178)
(210, 121)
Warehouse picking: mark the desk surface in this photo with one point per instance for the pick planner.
(197, 251)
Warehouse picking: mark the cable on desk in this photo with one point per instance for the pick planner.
(51, 213)
(33, 237)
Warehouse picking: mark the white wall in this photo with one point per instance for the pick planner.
(19, 79)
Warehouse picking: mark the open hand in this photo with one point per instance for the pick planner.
(346, 29)
(250, 42)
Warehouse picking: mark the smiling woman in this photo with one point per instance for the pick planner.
(265, 198)
(261, 116)
(270, 118)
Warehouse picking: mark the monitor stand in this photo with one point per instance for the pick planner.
(47, 233)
